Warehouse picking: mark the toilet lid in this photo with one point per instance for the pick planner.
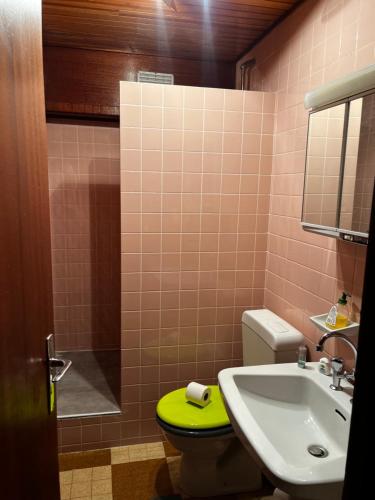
(175, 410)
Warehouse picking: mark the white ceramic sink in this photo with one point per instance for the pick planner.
(278, 411)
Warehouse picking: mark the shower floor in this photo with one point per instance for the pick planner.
(90, 385)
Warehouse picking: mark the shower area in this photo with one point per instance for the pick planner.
(84, 188)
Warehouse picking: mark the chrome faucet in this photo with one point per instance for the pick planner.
(338, 363)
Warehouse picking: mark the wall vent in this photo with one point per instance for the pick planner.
(150, 77)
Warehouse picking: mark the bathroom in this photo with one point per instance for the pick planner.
(159, 177)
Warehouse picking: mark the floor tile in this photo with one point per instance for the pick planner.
(102, 487)
(103, 472)
(174, 472)
(120, 455)
(138, 452)
(65, 491)
(82, 475)
(148, 479)
(66, 477)
(85, 459)
(148, 471)
(82, 489)
(155, 450)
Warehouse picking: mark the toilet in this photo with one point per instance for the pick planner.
(213, 461)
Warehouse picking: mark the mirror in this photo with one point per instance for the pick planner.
(340, 169)
(359, 167)
(323, 166)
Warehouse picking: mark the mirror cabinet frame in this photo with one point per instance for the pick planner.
(335, 231)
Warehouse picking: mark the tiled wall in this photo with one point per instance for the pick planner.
(195, 177)
(84, 177)
(320, 41)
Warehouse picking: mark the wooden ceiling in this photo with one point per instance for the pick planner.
(220, 30)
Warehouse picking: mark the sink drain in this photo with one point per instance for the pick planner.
(317, 451)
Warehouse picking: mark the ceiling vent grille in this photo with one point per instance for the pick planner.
(150, 77)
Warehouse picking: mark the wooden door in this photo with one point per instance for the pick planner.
(28, 437)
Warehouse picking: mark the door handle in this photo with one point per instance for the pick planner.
(56, 369)
(55, 363)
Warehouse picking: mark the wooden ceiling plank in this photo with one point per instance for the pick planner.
(228, 22)
(143, 9)
(150, 27)
(180, 4)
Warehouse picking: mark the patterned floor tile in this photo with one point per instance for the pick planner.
(120, 455)
(86, 459)
(142, 480)
(148, 471)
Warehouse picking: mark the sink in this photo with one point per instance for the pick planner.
(280, 412)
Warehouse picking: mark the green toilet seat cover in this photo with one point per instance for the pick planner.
(175, 410)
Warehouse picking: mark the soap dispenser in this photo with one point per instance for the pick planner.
(338, 316)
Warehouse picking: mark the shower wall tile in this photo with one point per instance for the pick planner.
(84, 179)
(195, 182)
(318, 42)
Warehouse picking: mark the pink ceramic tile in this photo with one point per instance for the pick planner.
(193, 119)
(130, 93)
(232, 142)
(152, 94)
(193, 97)
(151, 139)
(151, 117)
(233, 121)
(234, 100)
(173, 118)
(130, 138)
(253, 102)
(172, 161)
(214, 99)
(130, 116)
(172, 140)
(193, 141)
(213, 120)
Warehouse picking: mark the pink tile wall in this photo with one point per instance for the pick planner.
(195, 179)
(320, 41)
(84, 178)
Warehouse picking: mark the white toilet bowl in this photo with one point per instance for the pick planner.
(213, 463)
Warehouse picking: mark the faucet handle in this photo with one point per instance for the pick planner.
(337, 373)
(337, 365)
(350, 377)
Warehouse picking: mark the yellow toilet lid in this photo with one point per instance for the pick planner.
(175, 410)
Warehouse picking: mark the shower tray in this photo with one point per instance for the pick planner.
(91, 385)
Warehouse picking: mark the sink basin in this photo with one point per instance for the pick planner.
(279, 411)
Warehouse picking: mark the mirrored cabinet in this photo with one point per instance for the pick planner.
(340, 168)
(359, 166)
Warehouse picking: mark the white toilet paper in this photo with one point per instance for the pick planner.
(198, 394)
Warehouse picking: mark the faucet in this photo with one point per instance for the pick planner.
(338, 363)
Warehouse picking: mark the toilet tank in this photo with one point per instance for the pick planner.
(268, 339)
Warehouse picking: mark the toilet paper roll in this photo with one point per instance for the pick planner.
(198, 394)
